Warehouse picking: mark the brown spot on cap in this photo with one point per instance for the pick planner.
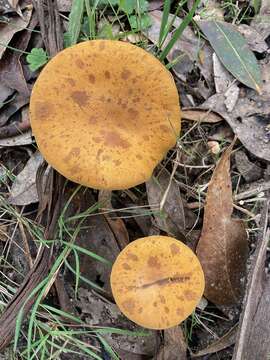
(80, 97)
(114, 139)
(190, 295)
(129, 306)
(92, 78)
(134, 113)
(174, 249)
(153, 261)
(125, 74)
(132, 257)
(43, 110)
(71, 81)
(126, 266)
(107, 75)
(79, 63)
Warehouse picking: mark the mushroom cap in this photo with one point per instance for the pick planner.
(104, 113)
(157, 281)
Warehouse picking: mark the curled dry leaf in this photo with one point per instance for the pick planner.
(201, 115)
(15, 24)
(116, 224)
(11, 71)
(19, 140)
(254, 39)
(23, 190)
(249, 118)
(223, 247)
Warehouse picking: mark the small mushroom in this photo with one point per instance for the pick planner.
(157, 281)
(104, 113)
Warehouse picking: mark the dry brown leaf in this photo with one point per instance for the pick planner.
(15, 25)
(23, 190)
(201, 115)
(222, 343)
(116, 224)
(174, 347)
(172, 217)
(222, 248)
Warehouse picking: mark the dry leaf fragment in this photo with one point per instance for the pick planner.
(175, 347)
(23, 190)
(15, 25)
(201, 115)
(222, 343)
(172, 217)
(222, 248)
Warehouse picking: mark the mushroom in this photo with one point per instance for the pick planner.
(104, 113)
(157, 281)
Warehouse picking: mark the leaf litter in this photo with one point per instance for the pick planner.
(176, 197)
(224, 238)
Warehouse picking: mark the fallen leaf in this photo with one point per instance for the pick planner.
(11, 108)
(248, 121)
(254, 331)
(260, 22)
(23, 190)
(11, 72)
(233, 51)
(116, 224)
(96, 236)
(96, 311)
(249, 118)
(171, 218)
(248, 169)
(222, 247)
(5, 92)
(175, 347)
(222, 343)
(201, 115)
(16, 127)
(19, 140)
(254, 39)
(14, 25)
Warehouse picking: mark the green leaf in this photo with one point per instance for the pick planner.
(140, 23)
(36, 58)
(232, 50)
(128, 6)
(74, 24)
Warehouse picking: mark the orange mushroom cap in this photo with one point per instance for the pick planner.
(157, 281)
(104, 113)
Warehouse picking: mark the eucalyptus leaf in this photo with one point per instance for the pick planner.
(233, 51)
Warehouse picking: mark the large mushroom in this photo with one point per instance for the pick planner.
(157, 281)
(104, 113)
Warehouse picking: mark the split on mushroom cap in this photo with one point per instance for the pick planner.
(157, 281)
(104, 113)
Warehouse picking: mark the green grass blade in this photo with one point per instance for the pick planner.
(164, 21)
(75, 19)
(108, 348)
(179, 31)
(88, 253)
